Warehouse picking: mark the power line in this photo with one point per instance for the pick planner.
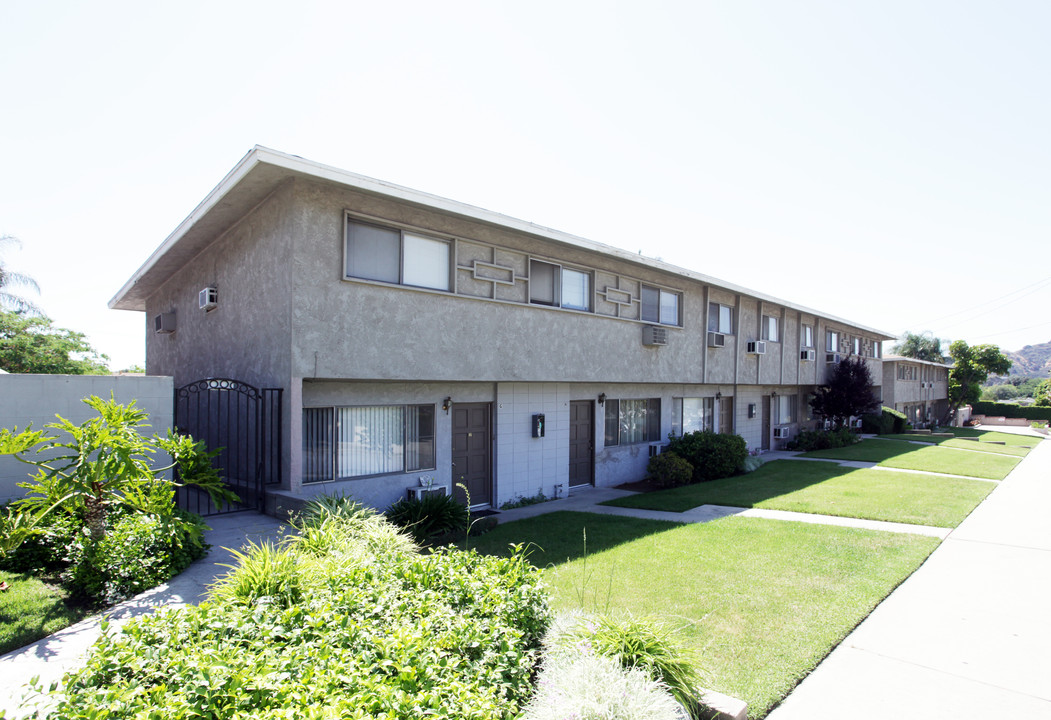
(986, 303)
(994, 309)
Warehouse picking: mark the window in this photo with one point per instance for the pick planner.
(632, 421)
(720, 318)
(394, 256)
(786, 409)
(692, 414)
(807, 337)
(877, 349)
(660, 306)
(770, 328)
(857, 346)
(832, 341)
(348, 442)
(554, 285)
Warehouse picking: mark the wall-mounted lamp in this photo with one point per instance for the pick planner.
(718, 395)
(773, 394)
(602, 399)
(446, 404)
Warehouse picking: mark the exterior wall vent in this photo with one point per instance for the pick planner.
(208, 299)
(164, 324)
(781, 433)
(716, 340)
(757, 347)
(808, 355)
(653, 335)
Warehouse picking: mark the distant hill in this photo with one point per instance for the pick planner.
(1031, 361)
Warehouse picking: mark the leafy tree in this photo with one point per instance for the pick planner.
(847, 394)
(921, 347)
(32, 344)
(9, 279)
(1042, 394)
(971, 368)
(996, 393)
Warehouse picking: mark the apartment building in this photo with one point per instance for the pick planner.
(918, 388)
(418, 337)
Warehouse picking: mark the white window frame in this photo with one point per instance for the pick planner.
(414, 237)
(771, 328)
(716, 318)
(558, 279)
(807, 339)
(832, 341)
(660, 313)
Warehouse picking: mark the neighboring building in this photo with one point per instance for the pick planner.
(417, 336)
(918, 388)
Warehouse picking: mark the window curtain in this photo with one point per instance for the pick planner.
(370, 440)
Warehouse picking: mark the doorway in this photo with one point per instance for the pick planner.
(472, 453)
(581, 443)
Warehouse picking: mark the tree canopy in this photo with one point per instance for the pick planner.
(1042, 394)
(9, 279)
(847, 394)
(32, 344)
(971, 368)
(921, 347)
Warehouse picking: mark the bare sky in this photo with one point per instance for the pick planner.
(885, 162)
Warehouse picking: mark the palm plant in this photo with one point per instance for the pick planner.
(11, 279)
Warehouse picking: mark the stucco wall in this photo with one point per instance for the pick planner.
(36, 399)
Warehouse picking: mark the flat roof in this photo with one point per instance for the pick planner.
(261, 171)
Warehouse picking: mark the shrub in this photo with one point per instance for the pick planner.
(887, 421)
(712, 455)
(430, 515)
(668, 470)
(1011, 411)
(822, 439)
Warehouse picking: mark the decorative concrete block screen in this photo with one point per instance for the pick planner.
(36, 399)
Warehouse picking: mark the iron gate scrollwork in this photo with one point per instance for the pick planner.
(244, 423)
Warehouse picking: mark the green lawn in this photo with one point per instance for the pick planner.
(983, 441)
(829, 489)
(760, 602)
(929, 458)
(31, 610)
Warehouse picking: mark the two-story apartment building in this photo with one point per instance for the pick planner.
(918, 388)
(417, 336)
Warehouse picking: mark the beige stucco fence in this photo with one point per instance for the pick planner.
(36, 399)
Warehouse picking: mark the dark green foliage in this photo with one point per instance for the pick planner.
(1011, 411)
(445, 635)
(887, 422)
(823, 439)
(848, 392)
(922, 347)
(32, 344)
(1042, 394)
(712, 455)
(972, 366)
(431, 515)
(668, 470)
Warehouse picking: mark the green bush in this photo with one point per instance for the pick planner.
(428, 516)
(1030, 412)
(446, 635)
(808, 440)
(713, 455)
(886, 422)
(668, 470)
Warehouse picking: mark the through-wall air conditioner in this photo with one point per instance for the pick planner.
(808, 355)
(653, 335)
(208, 299)
(757, 347)
(716, 340)
(856, 423)
(419, 492)
(164, 324)
(833, 358)
(781, 433)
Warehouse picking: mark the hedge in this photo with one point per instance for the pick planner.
(994, 409)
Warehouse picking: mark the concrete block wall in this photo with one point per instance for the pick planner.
(524, 464)
(36, 399)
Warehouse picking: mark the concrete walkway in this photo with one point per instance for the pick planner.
(967, 635)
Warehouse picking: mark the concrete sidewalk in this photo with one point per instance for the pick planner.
(967, 635)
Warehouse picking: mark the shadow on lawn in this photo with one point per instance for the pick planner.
(559, 537)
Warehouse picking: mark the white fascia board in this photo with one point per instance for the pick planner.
(295, 164)
(902, 358)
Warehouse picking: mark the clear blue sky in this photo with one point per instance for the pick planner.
(886, 162)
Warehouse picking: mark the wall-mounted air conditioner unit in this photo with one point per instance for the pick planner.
(653, 335)
(716, 340)
(833, 358)
(781, 433)
(757, 347)
(808, 355)
(418, 492)
(856, 423)
(208, 299)
(164, 324)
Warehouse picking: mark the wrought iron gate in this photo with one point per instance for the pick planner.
(244, 423)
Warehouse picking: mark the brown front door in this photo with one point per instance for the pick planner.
(581, 443)
(766, 423)
(472, 454)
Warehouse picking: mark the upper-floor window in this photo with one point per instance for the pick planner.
(720, 318)
(877, 348)
(558, 286)
(807, 336)
(770, 328)
(397, 256)
(660, 306)
(857, 346)
(832, 341)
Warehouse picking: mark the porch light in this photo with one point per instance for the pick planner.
(446, 404)
(602, 399)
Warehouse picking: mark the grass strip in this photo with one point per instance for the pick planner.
(760, 602)
(927, 458)
(31, 610)
(829, 489)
